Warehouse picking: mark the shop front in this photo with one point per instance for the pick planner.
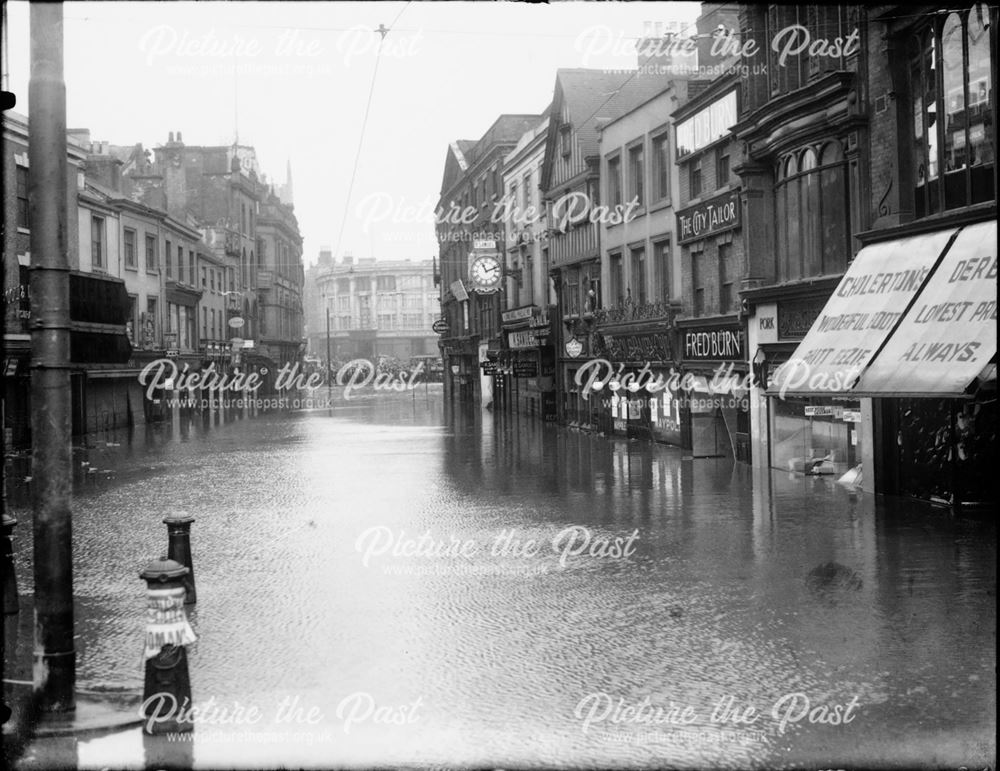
(529, 363)
(715, 412)
(897, 374)
(461, 364)
(639, 356)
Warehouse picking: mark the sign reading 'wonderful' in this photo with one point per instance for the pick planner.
(860, 315)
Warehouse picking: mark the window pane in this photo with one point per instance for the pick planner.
(781, 212)
(953, 75)
(835, 214)
(980, 106)
(811, 247)
(794, 216)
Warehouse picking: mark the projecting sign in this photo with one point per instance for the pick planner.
(440, 327)
(236, 322)
(458, 289)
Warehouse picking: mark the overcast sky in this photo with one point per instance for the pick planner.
(294, 79)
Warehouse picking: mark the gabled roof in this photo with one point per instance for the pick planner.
(593, 97)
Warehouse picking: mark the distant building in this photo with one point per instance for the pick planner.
(313, 308)
(280, 281)
(377, 308)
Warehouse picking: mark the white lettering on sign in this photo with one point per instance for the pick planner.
(718, 344)
(708, 218)
(522, 339)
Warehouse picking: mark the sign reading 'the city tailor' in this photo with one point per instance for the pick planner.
(715, 215)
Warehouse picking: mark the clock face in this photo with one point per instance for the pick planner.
(486, 273)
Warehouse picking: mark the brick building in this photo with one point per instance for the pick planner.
(583, 100)
(280, 281)
(877, 168)
(525, 379)
(471, 187)
(710, 328)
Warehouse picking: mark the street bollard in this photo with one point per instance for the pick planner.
(11, 605)
(179, 550)
(166, 694)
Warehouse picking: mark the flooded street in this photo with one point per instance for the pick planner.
(392, 581)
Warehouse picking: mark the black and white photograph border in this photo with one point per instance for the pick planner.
(499, 385)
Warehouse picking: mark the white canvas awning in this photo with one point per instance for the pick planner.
(948, 337)
(862, 312)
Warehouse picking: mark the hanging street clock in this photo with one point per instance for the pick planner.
(486, 273)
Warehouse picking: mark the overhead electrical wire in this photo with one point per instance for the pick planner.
(383, 31)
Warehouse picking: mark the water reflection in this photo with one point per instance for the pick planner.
(728, 594)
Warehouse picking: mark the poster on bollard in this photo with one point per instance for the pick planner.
(950, 334)
(859, 316)
(563, 511)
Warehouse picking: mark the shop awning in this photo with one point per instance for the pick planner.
(876, 291)
(948, 337)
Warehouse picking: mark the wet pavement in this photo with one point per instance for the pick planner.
(394, 582)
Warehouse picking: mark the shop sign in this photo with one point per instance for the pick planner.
(647, 347)
(489, 367)
(718, 343)
(522, 340)
(525, 369)
(540, 320)
(573, 348)
(796, 317)
(716, 215)
(823, 410)
(852, 416)
(518, 314)
(458, 290)
(440, 327)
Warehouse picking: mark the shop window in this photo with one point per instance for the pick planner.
(951, 85)
(811, 201)
(813, 436)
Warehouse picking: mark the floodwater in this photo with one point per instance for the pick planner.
(392, 581)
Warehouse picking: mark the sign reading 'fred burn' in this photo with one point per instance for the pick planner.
(722, 343)
(716, 215)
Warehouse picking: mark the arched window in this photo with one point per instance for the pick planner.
(812, 213)
(951, 83)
